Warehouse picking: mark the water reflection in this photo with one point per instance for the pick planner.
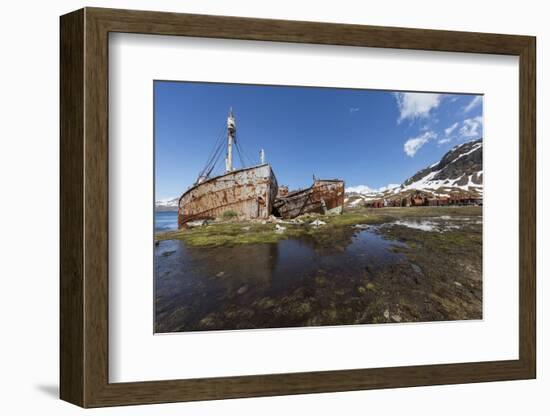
(194, 283)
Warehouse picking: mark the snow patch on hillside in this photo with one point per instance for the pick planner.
(167, 203)
(472, 150)
(360, 189)
(463, 181)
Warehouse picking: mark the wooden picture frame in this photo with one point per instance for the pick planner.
(84, 207)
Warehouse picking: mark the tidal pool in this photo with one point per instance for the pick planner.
(402, 265)
(213, 288)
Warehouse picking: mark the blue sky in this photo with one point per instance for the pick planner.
(366, 137)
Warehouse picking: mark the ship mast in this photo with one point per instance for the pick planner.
(231, 132)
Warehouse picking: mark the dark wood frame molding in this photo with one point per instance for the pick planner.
(84, 207)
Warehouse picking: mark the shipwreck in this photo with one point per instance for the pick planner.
(252, 192)
(323, 197)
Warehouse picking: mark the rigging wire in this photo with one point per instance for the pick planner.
(239, 153)
(214, 154)
(217, 151)
(243, 150)
(210, 166)
(216, 143)
(215, 161)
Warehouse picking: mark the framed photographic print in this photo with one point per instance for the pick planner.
(261, 207)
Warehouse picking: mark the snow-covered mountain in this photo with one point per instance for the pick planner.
(460, 171)
(169, 204)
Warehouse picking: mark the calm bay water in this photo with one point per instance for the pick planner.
(166, 220)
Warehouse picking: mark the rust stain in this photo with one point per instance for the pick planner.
(248, 192)
(324, 196)
(252, 192)
(420, 198)
(283, 191)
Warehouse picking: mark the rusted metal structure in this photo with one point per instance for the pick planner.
(420, 198)
(465, 200)
(252, 192)
(246, 193)
(377, 203)
(323, 197)
(283, 191)
(437, 202)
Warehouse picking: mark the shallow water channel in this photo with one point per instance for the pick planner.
(191, 283)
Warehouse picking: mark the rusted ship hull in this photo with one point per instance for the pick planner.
(323, 197)
(249, 193)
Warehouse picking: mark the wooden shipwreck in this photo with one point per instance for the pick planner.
(252, 192)
(323, 197)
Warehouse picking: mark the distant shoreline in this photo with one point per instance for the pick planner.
(166, 209)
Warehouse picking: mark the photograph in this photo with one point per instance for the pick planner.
(280, 206)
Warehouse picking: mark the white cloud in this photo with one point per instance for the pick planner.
(365, 189)
(471, 127)
(416, 105)
(450, 129)
(360, 189)
(477, 100)
(412, 145)
(354, 110)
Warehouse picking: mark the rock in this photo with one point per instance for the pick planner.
(459, 163)
(264, 222)
(157, 242)
(331, 314)
(242, 290)
(246, 228)
(387, 314)
(361, 226)
(279, 229)
(416, 268)
(208, 321)
(396, 318)
(458, 284)
(265, 303)
(296, 221)
(321, 280)
(317, 223)
(220, 274)
(302, 309)
(197, 223)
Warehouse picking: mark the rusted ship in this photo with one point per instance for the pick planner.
(247, 193)
(323, 197)
(252, 192)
